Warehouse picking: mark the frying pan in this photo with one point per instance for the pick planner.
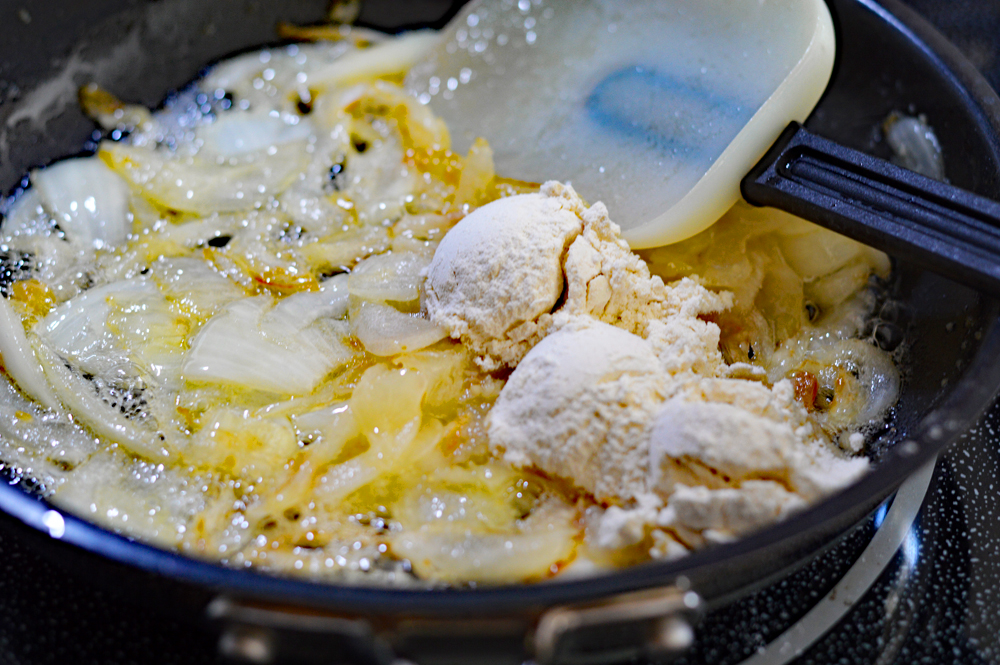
(888, 60)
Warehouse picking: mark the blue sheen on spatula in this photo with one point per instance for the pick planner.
(629, 103)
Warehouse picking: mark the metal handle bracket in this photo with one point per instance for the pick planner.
(655, 624)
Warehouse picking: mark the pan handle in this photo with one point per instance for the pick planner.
(947, 230)
(654, 624)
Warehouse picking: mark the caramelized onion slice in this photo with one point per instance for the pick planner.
(535, 548)
(78, 329)
(194, 286)
(238, 133)
(238, 347)
(866, 379)
(301, 309)
(387, 454)
(191, 184)
(19, 359)
(818, 252)
(385, 331)
(114, 490)
(326, 430)
(388, 58)
(392, 277)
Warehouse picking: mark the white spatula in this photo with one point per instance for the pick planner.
(656, 107)
(660, 108)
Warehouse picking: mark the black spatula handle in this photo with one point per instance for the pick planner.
(943, 228)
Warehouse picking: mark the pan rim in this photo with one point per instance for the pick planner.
(942, 426)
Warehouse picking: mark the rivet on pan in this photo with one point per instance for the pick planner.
(246, 644)
(55, 523)
(673, 635)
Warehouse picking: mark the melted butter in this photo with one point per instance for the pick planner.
(383, 468)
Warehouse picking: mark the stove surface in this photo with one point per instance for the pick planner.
(918, 583)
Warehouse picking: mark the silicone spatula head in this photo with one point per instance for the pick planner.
(656, 107)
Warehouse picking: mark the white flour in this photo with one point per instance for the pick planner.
(621, 389)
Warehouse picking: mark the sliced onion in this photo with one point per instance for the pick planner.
(394, 277)
(381, 183)
(192, 184)
(533, 550)
(873, 373)
(862, 378)
(818, 253)
(28, 228)
(81, 398)
(418, 123)
(338, 30)
(112, 113)
(473, 497)
(381, 385)
(410, 384)
(195, 285)
(835, 288)
(233, 348)
(19, 359)
(26, 217)
(301, 309)
(915, 145)
(77, 330)
(233, 441)
(88, 201)
(313, 210)
(149, 501)
(56, 445)
(238, 75)
(237, 133)
(422, 227)
(477, 173)
(154, 335)
(327, 430)
(235, 73)
(385, 331)
(394, 56)
(345, 250)
(386, 455)
(92, 373)
(339, 481)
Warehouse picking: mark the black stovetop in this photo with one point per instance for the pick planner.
(936, 600)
